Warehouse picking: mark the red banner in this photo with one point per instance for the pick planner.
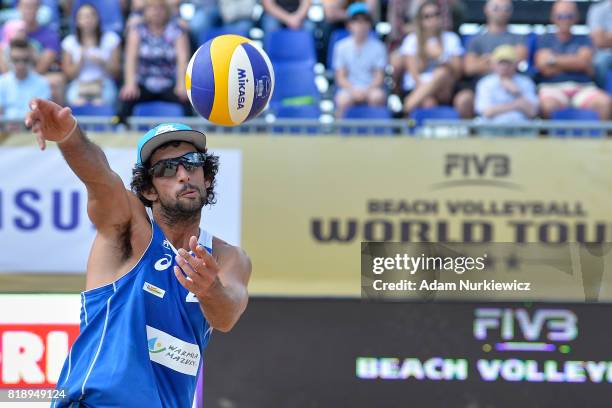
(32, 355)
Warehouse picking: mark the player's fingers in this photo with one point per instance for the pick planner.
(187, 284)
(193, 243)
(40, 140)
(64, 113)
(206, 256)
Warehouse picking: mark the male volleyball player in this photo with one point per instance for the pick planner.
(154, 291)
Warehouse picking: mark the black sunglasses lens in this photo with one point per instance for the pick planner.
(168, 167)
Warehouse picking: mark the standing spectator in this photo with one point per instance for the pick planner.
(565, 66)
(46, 42)
(359, 63)
(477, 62)
(156, 58)
(432, 60)
(291, 14)
(505, 96)
(21, 83)
(599, 20)
(91, 60)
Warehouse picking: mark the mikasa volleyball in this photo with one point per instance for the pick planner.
(229, 80)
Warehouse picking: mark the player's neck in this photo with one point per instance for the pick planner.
(178, 231)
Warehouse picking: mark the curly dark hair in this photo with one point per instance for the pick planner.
(143, 181)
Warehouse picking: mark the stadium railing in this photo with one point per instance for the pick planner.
(440, 128)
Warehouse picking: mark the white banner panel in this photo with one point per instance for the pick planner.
(43, 208)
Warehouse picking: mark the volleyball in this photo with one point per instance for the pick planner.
(229, 80)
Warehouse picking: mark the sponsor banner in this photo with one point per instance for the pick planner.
(36, 332)
(311, 201)
(349, 353)
(43, 205)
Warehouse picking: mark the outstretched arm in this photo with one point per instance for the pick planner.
(220, 285)
(108, 205)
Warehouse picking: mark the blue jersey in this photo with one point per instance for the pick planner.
(142, 338)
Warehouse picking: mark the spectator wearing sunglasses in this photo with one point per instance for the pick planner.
(477, 61)
(564, 62)
(432, 60)
(21, 83)
(599, 20)
(46, 41)
(155, 279)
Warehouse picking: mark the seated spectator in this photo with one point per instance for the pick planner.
(233, 15)
(359, 63)
(432, 60)
(564, 62)
(12, 29)
(599, 20)
(477, 62)
(401, 15)
(21, 83)
(136, 14)
(505, 96)
(91, 60)
(334, 18)
(46, 42)
(291, 14)
(156, 56)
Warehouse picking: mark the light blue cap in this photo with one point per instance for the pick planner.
(168, 132)
(357, 8)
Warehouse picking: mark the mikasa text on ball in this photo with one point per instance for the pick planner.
(229, 80)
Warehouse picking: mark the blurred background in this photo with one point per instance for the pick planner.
(409, 120)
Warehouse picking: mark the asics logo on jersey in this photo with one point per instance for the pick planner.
(163, 263)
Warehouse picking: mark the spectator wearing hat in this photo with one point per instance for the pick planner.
(599, 21)
(477, 61)
(359, 62)
(564, 62)
(505, 96)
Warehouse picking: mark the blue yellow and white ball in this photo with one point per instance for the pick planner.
(229, 80)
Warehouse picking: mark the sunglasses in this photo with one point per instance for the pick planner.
(169, 167)
(565, 16)
(20, 60)
(431, 15)
(505, 9)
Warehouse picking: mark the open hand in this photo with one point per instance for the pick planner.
(201, 269)
(49, 121)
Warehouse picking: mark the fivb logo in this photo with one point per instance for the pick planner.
(242, 81)
(555, 325)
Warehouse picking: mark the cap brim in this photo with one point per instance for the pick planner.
(198, 139)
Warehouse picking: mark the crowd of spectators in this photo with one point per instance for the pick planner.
(79, 60)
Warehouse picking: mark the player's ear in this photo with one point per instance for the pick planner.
(150, 194)
(207, 183)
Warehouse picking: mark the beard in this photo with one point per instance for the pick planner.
(182, 210)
